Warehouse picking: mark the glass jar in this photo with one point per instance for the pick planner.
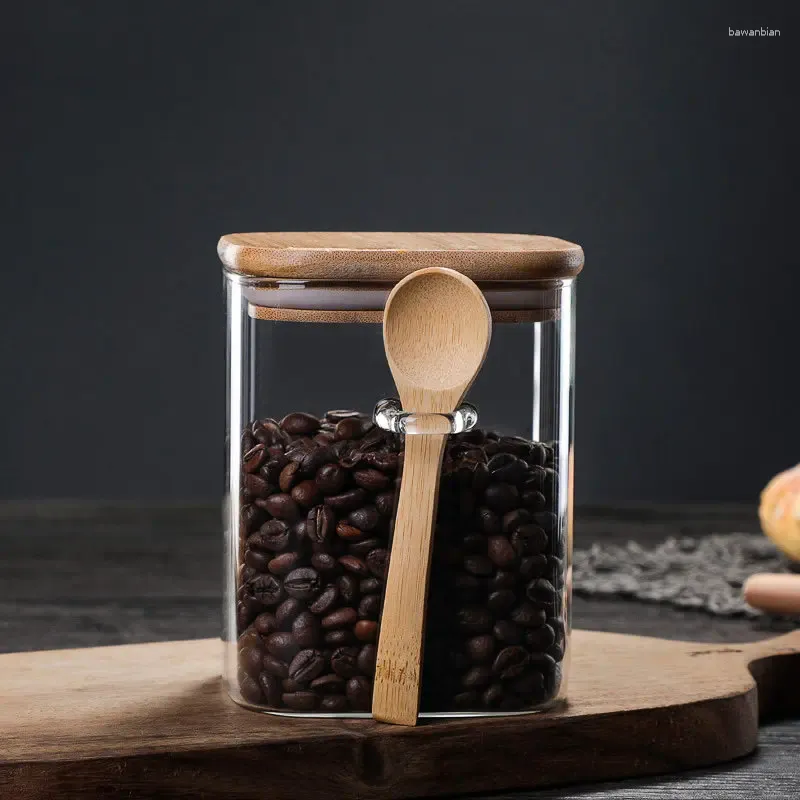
(312, 480)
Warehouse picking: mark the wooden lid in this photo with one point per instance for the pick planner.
(384, 256)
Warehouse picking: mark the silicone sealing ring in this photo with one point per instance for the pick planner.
(389, 416)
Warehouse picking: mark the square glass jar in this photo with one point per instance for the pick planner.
(312, 480)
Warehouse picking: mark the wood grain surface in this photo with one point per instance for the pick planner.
(375, 256)
(154, 717)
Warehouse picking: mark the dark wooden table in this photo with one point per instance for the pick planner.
(78, 575)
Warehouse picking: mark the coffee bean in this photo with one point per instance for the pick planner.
(338, 414)
(252, 517)
(384, 502)
(546, 520)
(320, 524)
(305, 493)
(348, 532)
(510, 662)
(506, 632)
(271, 687)
(540, 638)
(501, 497)
(339, 638)
(556, 651)
(306, 665)
(493, 696)
(533, 566)
(257, 560)
(330, 478)
(300, 701)
(384, 462)
(474, 543)
(359, 693)
(370, 585)
(254, 458)
(534, 500)
(478, 565)
(344, 661)
(513, 519)
(302, 583)
(529, 684)
(367, 658)
(265, 623)
(529, 540)
(489, 521)
(341, 618)
(378, 562)
(372, 480)
(250, 660)
(306, 629)
(528, 616)
(324, 562)
(328, 684)
(256, 486)
(541, 592)
(282, 506)
(249, 688)
(365, 518)
(273, 536)
(290, 685)
(347, 501)
(363, 547)
(283, 563)
(287, 611)
(334, 704)
(353, 428)
(281, 645)
(354, 565)
(513, 470)
(289, 476)
(480, 648)
(476, 677)
(474, 620)
(501, 601)
(480, 479)
(299, 423)
(326, 601)
(366, 630)
(501, 551)
(466, 701)
(266, 589)
(503, 579)
(369, 607)
(274, 666)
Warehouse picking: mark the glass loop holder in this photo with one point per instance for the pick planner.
(389, 416)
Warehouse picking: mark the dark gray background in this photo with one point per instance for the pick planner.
(135, 133)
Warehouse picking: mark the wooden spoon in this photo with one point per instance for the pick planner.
(436, 331)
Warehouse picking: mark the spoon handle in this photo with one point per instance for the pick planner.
(399, 661)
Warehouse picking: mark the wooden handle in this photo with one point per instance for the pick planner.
(399, 661)
(775, 593)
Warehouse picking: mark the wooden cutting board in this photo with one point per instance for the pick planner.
(148, 720)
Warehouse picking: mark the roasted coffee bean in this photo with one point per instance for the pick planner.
(344, 661)
(537, 455)
(493, 696)
(506, 632)
(480, 478)
(513, 470)
(353, 427)
(348, 532)
(289, 476)
(302, 583)
(257, 487)
(339, 638)
(282, 506)
(306, 665)
(354, 565)
(476, 677)
(299, 423)
(305, 493)
(550, 481)
(534, 500)
(266, 589)
(291, 685)
(384, 502)
(474, 620)
(250, 688)
(528, 616)
(271, 471)
(283, 564)
(281, 645)
(359, 693)
(328, 684)
(370, 586)
(287, 611)
(466, 701)
(474, 543)
(341, 618)
(365, 518)
(271, 686)
(501, 551)
(334, 704)
(346, 501)
(326, 601)
(546, 520)
(556, 651)
(378, 562)
(254, 458)
(366, 630)
(384, 462)
(363, 547)
(489, 521)
(503, 579)
(513, 519)
(369, 607)
(274, 666)
(257, 560)
(348, 589)
(478, 565)
(273, 536)
(330, 478)
(533, 566)
(250, 660)
(528, 540)
(372, 480)
(501, 601)
(252, 517)
(306, 629)
(540, 639)
(338, 414)
(265, 623)
(366, 659)
(541, 592)
(510, 662)
(529, 684)
(300, 701)
(501, 497)
(320, 524)
(324, 562)
(480, 648)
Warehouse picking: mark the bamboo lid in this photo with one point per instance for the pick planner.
(382, 256)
